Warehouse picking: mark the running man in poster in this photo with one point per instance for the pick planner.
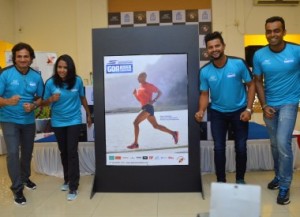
(144, 95)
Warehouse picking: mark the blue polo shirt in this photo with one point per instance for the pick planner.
(226, 84)
(27, 86)
(67, 110)
(281, 71)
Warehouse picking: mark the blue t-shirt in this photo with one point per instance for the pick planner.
(281, 71)
(27, 86)
(67, 110)
(226, 84)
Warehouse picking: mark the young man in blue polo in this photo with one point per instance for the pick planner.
(277, 77)
(229, 83)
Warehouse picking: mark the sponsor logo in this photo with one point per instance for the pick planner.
(288, 61)
(266, 62)
(32, 84)
(230, 75)
(15, 82)
(180, 159)
(179, 16)
(213, 78)
(114, 66)
(153, 17)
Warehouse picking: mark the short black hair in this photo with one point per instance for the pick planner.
(274, 19)
(21, 46)
(212, 36)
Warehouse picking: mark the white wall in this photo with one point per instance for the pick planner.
(61, 26)
(7, 20)
(91, 14)
(235, 18)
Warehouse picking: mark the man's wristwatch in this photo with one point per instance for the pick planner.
(248, 110)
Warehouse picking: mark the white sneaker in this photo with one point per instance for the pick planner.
(72, 195)
(64, 187)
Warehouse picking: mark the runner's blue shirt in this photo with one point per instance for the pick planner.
(281, 72)
(226, 84)
(67, 110)
(27, 86)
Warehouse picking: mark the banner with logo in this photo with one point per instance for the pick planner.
(135, 135)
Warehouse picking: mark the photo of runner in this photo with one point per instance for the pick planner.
(144, 95)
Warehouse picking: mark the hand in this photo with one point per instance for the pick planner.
(245, 116)
(28, 107)
(134, 92)
(199, 116)
(13, 100)
(269, 112)
(152, 102)
(89, 121)
(55, 97)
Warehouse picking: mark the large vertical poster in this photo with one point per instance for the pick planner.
(146, 81)
(145, 128)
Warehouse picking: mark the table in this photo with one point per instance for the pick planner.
(46, 158)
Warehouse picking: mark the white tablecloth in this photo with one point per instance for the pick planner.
(258, 151)
(46, 158)
(47, 161)
(2, 144)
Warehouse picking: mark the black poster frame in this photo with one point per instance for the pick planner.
(146, 41)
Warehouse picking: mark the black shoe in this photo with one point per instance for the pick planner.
(30, 185)
(274, 184)
(19, 198)
(283, 197)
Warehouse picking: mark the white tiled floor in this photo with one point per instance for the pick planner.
(48, 201)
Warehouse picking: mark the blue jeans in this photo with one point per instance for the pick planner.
(280, 129)
(18, 136)
(220, 123)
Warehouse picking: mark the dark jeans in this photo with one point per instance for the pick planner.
(18, 136)
(67, 139)
(220, 123)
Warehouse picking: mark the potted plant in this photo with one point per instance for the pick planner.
(42, 119)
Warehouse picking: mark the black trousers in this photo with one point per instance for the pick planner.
(220, 122)
(67, 139)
